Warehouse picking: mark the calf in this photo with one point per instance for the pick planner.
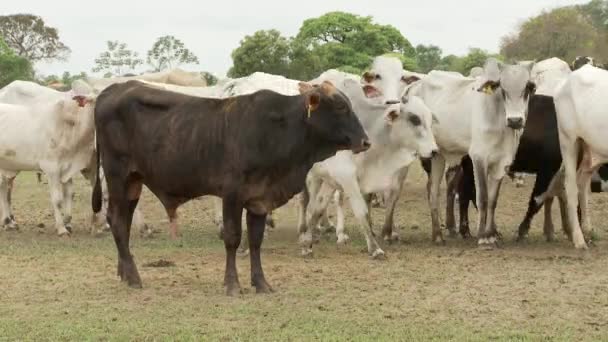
(253, 151)
(398, 133)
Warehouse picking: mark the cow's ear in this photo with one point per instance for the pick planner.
(313, 99)
(83, 100)
(391, 116)
(489, 87)
(369, 77)
(410, 79)
(304, 87)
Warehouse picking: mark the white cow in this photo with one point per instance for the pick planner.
(173, 76)
(499, 111)
(450, 97)
(52, 133)
(398, 132)
(548, 74)
(580, 104)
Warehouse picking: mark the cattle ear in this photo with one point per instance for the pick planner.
(304, 87)
(371, 91)
(435, 120)
(489, 87)
(369, 77)
(391, 116)
(313, 99)
(410, 79)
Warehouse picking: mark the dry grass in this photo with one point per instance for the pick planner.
(65, 289)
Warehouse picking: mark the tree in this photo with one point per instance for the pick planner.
(597, 12)
(29, 37)
(117, 60)
(209, 78)
(564, 33)
(264, 51)
(13, 67)
(427, 57)
(345, 41)
(475, 58)
(169, 52)
(450, 63)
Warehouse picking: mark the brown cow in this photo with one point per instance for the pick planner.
(253, 151)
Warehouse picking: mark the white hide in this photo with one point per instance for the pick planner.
(580, 104)
(548, 74)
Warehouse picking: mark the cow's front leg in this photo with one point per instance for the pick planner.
(68, 197)
(361, 212)
(491, 233)
(437, 171)
(232, 212)
(318, 202)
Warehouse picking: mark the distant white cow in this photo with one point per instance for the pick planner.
(398, 132)
(548, 74)
(499, 114)
(52, 133)
(173, 76)
(581, 107)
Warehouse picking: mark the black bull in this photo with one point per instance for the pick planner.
(253, 151)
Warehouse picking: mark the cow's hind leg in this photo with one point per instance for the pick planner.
(540, 186)
(466, 195)
(232, 214)
(317, 204)
(68, 197)
(452, 178)
(123, 199)
(392, 197)
(255, 231)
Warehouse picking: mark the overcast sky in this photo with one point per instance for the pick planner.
(212, 29)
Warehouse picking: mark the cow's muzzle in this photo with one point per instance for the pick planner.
(515, 123)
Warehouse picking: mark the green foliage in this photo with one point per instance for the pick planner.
(12, 66)
(264, 51)
(428, 57)
(209, 78)
(597, 12)
(117, 60)
(169, 52)
(564, 33)
(30, 38)
(336, 40)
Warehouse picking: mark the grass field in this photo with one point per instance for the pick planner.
(66, 289)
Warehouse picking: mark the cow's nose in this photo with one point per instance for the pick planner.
(366, 144)
(434, 153)
(515, 123)
(391, 102)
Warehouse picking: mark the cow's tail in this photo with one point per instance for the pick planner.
(97, 194)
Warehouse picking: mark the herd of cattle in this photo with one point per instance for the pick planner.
(256, 142)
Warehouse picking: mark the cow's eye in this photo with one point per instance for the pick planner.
(414, 120)
(378, 77)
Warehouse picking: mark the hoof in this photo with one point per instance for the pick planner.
(439, 241)
(306, 253)
(581, 246)
(68, 227)
(488, 243)
(63, 234)
(521, 238)
(233, 290)
(343, 239)
(135, 285)
(263, 288)
(378, 255)
(11, 227)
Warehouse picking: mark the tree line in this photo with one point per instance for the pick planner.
(335, 40)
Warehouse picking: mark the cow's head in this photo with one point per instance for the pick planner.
(387, 78)
(512, 86)
(581, 61)
(330, 115)
(411, 126)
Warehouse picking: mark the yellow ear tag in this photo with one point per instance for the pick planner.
(309, 109)
(488, 90)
